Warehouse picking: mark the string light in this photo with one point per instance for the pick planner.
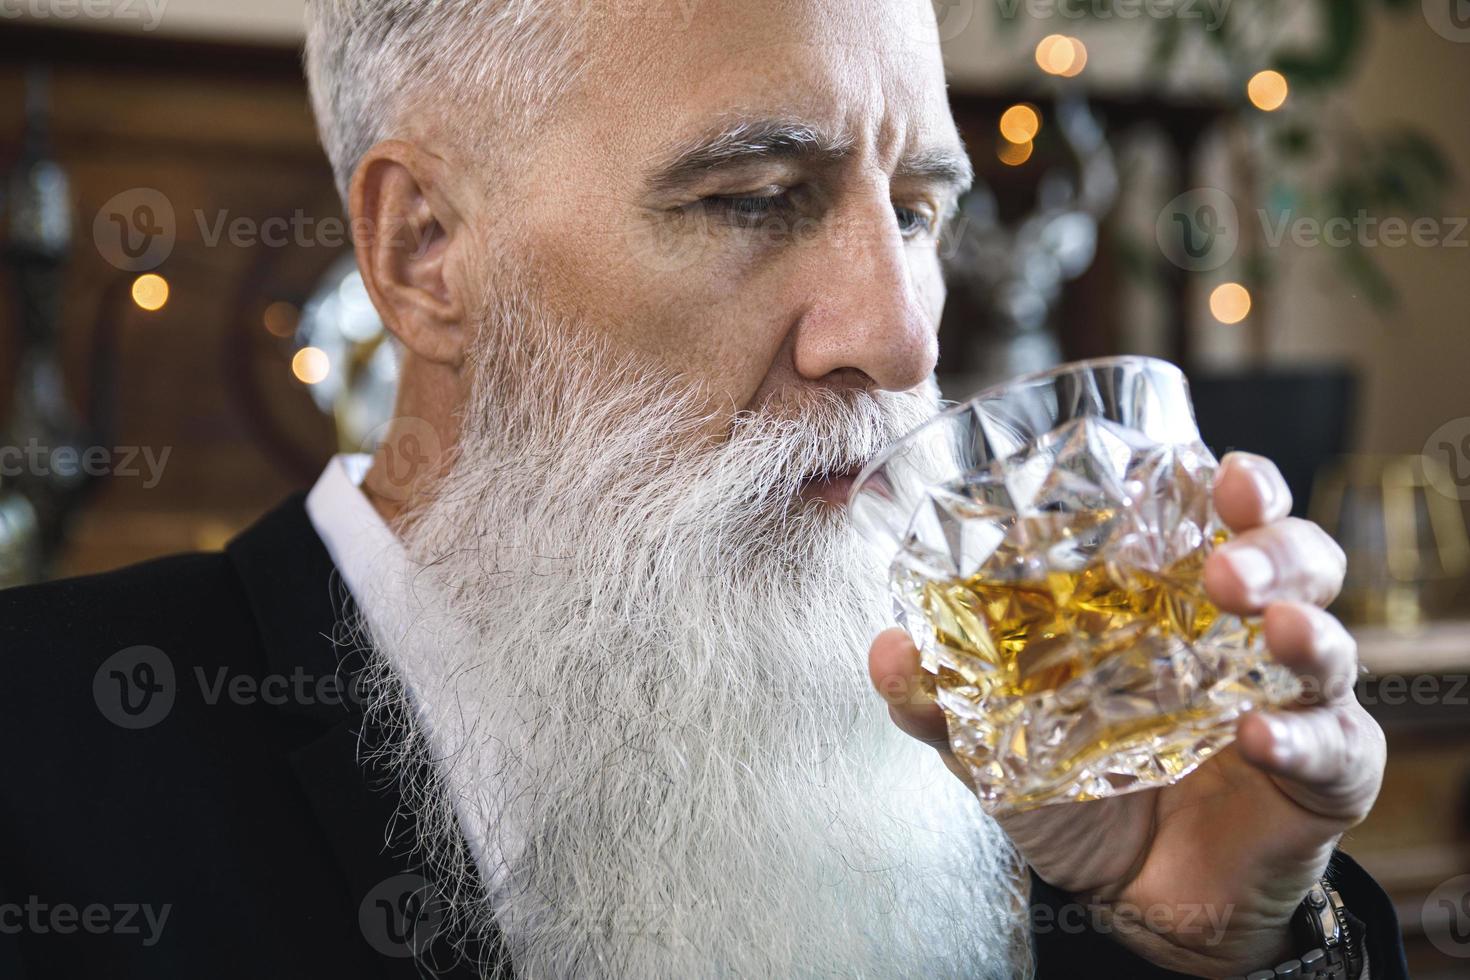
(1058, 54)
(1230, 303)
(1267, 90)
(150, 292)
(1020, 123)
(311, 365)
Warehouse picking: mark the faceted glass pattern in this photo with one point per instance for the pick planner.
(1051, 537)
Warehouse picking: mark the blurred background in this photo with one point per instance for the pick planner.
(1273, 193)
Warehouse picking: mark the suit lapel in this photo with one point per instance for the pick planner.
(298, 602)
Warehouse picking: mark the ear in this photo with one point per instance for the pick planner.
(408, 238)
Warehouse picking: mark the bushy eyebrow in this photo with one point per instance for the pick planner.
(757, 141)
(745, 143)
(951, 169)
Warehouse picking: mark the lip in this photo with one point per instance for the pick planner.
(832, 488)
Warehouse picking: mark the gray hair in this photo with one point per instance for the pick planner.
(368, 62)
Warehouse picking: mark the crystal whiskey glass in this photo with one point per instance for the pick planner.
(1051, 535)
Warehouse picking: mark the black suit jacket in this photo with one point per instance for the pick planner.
(182, 794)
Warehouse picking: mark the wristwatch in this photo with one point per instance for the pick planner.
(1332, 935)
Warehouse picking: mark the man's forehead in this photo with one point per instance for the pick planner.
(821, 63)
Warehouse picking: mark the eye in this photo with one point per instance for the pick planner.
(749, 210)
(912, 222)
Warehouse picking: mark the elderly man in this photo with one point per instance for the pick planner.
(567, 680)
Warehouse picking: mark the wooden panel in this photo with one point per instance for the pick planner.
(201, 379)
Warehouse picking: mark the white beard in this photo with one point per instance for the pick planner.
(638, 665)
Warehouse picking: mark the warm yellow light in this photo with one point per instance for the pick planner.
(1230, 303)
(150, 292)
(311, 365)
(1020, 123)
(1014, 154)
(1079, 58)
(1058, 54)
(280, 318)
(1267, 90)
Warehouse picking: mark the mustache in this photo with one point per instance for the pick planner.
(826, 431)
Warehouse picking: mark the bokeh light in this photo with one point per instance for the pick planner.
(1230, 303)
(1267, 90)
(1014, 154)
(1020, 123)
(150, 292)
(280, 319)
(1058, 54)
(311, 365)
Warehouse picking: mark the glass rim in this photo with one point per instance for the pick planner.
(950, 409)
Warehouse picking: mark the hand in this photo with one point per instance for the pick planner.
(1218, 862)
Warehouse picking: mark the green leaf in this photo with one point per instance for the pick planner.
(1363, 272)
(1345, 22)
(1295, 140)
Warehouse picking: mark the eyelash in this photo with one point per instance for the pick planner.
(748, 210)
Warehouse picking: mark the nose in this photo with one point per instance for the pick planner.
(865, 312)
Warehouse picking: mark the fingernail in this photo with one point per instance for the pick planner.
(1266, 484)
(1282, 749)
(1254, 569)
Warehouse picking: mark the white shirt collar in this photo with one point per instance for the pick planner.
(354, 532)
(373, 563)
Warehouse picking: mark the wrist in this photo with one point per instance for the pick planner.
(1234, 952)
(1321, 939)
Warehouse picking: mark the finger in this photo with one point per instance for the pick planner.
(1289, 561)
(897, 675)
(1329, 760)
(1250, 491)
(1316, 648)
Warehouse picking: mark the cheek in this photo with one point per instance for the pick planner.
(718, 325)
(928, 279)
(702, 315)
